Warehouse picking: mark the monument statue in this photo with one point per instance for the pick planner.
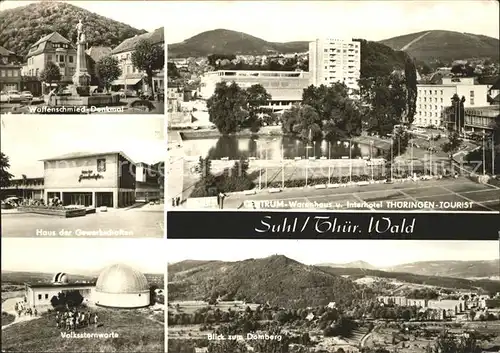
(79, 30)
(81, 78)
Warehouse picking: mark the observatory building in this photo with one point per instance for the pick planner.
(121, 286)
(40, 294)
(118, 286)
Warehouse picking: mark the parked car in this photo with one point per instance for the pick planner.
(14, 96)
(4, 98)
(124, 93)
(26, 95)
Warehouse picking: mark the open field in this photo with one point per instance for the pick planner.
(135, 222)
(139, 330)
(440, 195)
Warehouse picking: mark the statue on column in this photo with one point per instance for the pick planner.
(80, 34)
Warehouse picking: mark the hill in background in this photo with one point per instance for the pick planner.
(354, 264)
(490, 286)
(22, 277)
(425, 46)
(429, 46)
(462, 269)
(23, 26)
(224, 41)
(276, 279)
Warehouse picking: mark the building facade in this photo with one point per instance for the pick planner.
(175, 97)
(10, 71)
(132, 78)
(433, 99)
(148, 182)
(481, 119)
(335, 60)
(285, 87)
(26, 188)
(118, 286)
(51, 48)
(91, 179)
(40, 295)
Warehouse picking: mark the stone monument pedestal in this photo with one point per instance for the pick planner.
(81, 84)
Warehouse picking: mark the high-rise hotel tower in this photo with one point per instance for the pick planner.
(335, 60)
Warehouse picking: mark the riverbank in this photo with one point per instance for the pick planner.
(190, 134)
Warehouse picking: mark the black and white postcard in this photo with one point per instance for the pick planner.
(327, 106)
(82, 57)
(83, 176)
(83, 295)
(333, 296)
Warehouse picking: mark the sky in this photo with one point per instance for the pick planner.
(148, 15)
(283, 21)
(379, 253)
(27, 140)
(82, 255)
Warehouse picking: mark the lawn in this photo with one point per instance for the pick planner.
(137, 331)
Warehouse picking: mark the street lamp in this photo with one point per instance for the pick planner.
(329, 161)
(260, 163)
(282, 166)
(411, 163)
(431, 147)
(371, 157)
(493, 153)
(392, 158)
(484, 152)
(350, 160)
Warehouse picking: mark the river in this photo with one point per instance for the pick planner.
(272, 147)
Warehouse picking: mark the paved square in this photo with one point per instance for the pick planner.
(440, 195)
(134, 223)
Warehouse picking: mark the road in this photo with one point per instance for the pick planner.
(437, 195)
(8, 306)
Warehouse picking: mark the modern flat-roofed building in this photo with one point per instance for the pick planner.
(285, 87)
(39, 295)
(26, 188)
(481, 119)
(432, 99)
(335, 60)
(91, 179)
(148, 182)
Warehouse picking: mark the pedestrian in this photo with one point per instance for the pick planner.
(178, 201)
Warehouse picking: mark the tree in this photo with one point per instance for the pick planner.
(172, 71)
(149, 58)
(5, 176)
(226, 346)
(107, 70)
(226, 107)
(446, 343)
(256, 98)
(204, 170)
(386, 101)
(452, 146)
(411, 89)
(303, 122)
(456, 113)
(51, 73)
